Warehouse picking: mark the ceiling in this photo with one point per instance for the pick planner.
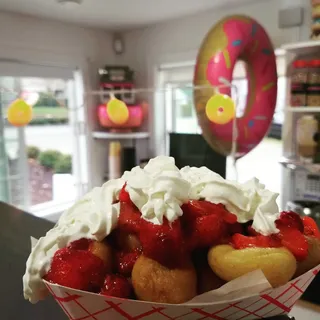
(115, 14)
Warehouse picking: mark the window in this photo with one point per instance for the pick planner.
(40, 164)
(181, 115)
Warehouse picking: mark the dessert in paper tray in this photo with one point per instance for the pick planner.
(164, 243)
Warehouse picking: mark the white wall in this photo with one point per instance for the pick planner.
(180, 39)
(48, 42)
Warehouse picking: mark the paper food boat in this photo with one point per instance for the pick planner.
(248, 297)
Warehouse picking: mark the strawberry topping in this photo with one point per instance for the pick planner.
(310, 227)
(124, 195)
(77, 269)
(163, 243)
(125, 262)
(81, 244)
(202, 225)
(205, 223)
(129, 218)
(116, 286)
(240, 241)
(290, 235)
(294, 241)
(290, 219)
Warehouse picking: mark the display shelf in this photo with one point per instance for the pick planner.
(113, 135)
(294, 164)
(302, 48)
(303, 109)
(293, 170)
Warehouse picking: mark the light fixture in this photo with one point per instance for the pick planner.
(70, 3)
(118, 44)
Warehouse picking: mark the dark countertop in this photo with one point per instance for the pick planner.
(16, 227)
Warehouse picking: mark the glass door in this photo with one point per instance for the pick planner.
(13, 176)
(43, 166)
(180, 113)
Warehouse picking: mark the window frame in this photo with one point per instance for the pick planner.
(73, 79)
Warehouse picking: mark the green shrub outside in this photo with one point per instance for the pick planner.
(64, 164)
(33, 152)
(46, 99)
(47, 121)
(49, 158)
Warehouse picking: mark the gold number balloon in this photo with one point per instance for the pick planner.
(117, 111)
(19, 113)
(220, 109)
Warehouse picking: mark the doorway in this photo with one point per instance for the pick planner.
(179, 119)
(43, 166)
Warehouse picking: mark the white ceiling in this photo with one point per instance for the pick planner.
(115, 14)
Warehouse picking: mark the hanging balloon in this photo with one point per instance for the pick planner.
(234, 38)
(117, 111)
(19, 113)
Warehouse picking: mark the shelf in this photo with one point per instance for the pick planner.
(303, 109)
(305, 47)
(294, 164)
(113, 135)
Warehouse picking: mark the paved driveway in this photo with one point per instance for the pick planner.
(56, 137)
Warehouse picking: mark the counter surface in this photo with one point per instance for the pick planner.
(16, 227)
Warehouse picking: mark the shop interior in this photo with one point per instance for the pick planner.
(111, 86)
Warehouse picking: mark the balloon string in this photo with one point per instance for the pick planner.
(234, 137)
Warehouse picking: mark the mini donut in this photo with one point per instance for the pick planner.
(156, 283)
(315, 36)
(277, 264)
(127, 242)
(316, 11)
(316, 27)
(315, 3)
(103, 251)
(313, 258)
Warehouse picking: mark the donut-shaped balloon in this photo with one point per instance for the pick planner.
(236, 38)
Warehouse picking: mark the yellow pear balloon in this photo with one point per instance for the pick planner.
(117, 111)
(220, 109)
(19, 113)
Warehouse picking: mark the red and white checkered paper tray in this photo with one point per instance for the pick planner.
(248, 297)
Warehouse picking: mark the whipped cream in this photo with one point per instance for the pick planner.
(158, 190)
(92, 217)
(248, 201)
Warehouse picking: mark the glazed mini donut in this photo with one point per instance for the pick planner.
(103, 251)
(316, 27)
(313, 258)
(156, 283)
(316, 11)
(315, 36)
(277, 264)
